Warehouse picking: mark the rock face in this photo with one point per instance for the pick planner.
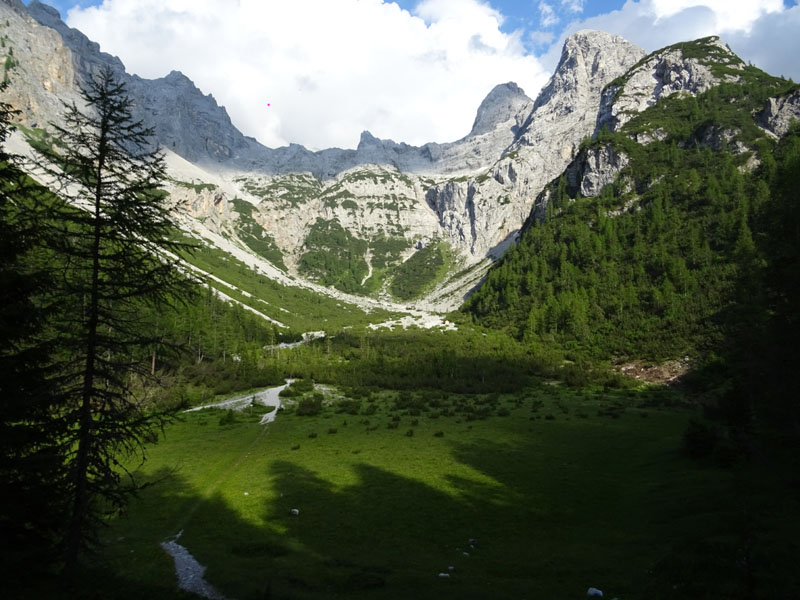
(682, 68)
(36, 86)
(485, 211)
(779, 113)
(187, 121)
(369, 202)
(497, 122)
(504, 103)
(595, 169)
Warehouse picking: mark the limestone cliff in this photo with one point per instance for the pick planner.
(483, 212)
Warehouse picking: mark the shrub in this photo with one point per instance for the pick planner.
(439, 434)
(351, 407)
(308, 407)
(575, 376)
(297, 388)
(410, 433)
(228, 418)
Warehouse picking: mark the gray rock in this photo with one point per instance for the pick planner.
(596, 169)
(660, 74)
(778, 114)
(484, 212)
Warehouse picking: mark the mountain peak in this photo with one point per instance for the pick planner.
(588, 61)
(45, 11)
(500, 105)
(368, 140)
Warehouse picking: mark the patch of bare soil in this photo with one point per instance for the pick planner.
(668, 373)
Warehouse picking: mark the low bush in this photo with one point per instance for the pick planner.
(308, 407)
(229, 418)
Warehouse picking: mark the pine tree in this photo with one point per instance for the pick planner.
(116, 239)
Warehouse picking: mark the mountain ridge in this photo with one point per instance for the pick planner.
(220, 141)
(383, 203)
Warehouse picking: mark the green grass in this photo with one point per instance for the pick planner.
(197, 187)
(563, 490)
(255, 236)
(304, 310)
(421, 271)
(292, 190)
(334, 256)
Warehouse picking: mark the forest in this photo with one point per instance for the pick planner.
(693, 251)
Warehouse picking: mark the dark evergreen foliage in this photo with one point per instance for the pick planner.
(32, 482)
(113, 252)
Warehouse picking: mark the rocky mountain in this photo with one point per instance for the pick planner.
(376, 214)
(678, 71)
(197, 128)
(484, 213)
(666, 216)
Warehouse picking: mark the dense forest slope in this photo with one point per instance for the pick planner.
(672, 233)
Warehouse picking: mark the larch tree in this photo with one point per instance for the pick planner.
(118, 253)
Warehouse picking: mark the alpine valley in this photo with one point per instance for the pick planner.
(556, 353)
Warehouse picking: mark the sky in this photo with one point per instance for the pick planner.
(319, 72)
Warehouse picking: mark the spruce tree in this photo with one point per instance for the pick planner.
(115, 236)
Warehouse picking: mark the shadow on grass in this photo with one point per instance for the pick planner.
(594, 502)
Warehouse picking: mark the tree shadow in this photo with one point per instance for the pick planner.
(392, 533)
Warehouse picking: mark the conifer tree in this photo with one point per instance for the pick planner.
(115, 236)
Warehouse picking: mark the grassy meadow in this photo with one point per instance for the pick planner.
(561, 490)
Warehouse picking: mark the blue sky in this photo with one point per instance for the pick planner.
(318, 72)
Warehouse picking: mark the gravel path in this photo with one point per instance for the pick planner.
(191, 574)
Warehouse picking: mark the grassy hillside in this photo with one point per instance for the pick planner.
(298, 308)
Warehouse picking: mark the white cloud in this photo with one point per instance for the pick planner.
(575, 6)
(763, 31)
(541, 38)
(547, 16)
(729, 15)
(772, 43)
(328, 69)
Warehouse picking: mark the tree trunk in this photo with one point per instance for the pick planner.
(80, 504)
